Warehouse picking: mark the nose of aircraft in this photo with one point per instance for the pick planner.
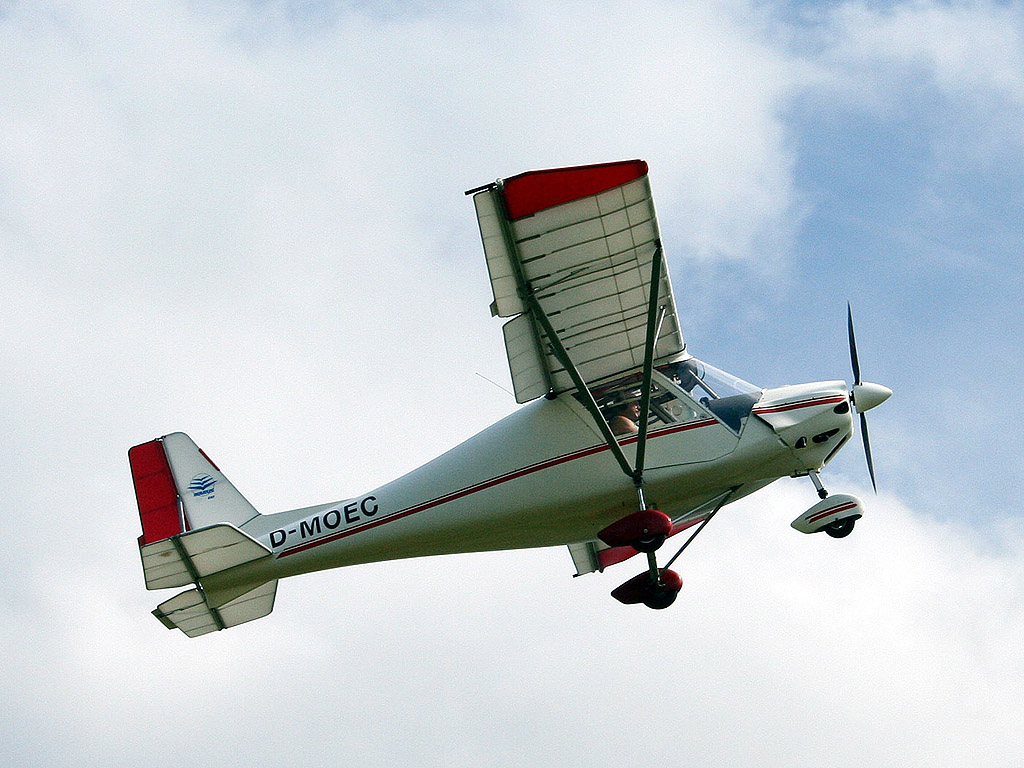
(867, 395)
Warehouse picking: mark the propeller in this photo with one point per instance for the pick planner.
(865, 395)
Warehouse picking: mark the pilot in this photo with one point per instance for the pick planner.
(624, 418)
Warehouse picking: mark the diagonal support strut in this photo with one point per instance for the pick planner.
(581, 386)
(655, 317)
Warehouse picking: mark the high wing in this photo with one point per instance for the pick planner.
(571, 252)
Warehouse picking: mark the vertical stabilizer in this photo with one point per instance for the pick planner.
(179, 489)
(207, 497)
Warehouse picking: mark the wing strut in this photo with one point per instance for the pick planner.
(700, 527)
(581, 386)
(524, 289)
(655, 317)
(654, 321)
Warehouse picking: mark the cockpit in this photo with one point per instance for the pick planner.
(683, 391)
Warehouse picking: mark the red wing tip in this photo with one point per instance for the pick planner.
(534, 191)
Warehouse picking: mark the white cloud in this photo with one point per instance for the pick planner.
(896, 646)
(966, 55)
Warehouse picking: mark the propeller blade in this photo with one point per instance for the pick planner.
(870, 396)
(853, 345)
(867, 450)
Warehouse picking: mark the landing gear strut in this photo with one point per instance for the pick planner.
(656, 587)
(822, 493)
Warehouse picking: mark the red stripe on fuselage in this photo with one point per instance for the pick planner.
(802, 404)
(482, 486)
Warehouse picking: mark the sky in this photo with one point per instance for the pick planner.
(246, 221)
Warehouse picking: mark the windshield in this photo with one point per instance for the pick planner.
(729, 398)
(703, 380)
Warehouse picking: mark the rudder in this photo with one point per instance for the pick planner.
(179, 489)
(155, 492)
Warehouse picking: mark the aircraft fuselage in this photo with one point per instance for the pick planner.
(543, 477)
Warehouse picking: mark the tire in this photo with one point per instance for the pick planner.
(649, 544)
(661, 599)
(840, 528)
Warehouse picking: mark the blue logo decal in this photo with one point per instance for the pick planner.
(202, 485)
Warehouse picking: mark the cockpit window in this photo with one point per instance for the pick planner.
(682, 392)
(713, 382)
(620, 404)
(728, 398)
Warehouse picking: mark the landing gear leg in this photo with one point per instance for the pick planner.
(652, 567)
(656, 587)
(813, 474)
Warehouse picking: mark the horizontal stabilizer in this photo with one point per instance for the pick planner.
(585, 556)
(189, 557)
(190, 612)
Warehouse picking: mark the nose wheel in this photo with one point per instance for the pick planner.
(840, 528)
(834, 515)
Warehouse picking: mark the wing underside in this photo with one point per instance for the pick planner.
(577, 244)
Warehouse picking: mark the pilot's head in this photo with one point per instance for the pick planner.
(628, 405)
(631, 410)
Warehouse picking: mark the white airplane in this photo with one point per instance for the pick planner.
(626, 438)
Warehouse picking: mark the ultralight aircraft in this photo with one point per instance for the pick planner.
(625, 439)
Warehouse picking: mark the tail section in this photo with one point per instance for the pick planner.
(173, 469)
(191, 517)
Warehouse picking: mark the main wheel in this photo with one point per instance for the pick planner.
(648, 543)
(840, 528)
(661, 599)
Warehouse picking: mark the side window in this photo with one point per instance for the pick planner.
(682, 392)
(620, 405)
